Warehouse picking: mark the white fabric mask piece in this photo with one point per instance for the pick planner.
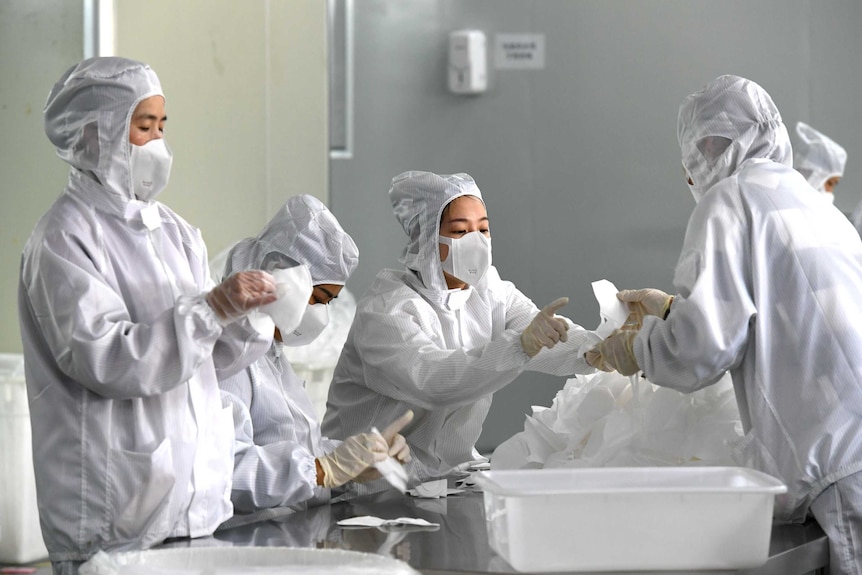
(469, 256)
(293, 288)
(613, 312)
(828, 196)
(315, 319)
(151, 169)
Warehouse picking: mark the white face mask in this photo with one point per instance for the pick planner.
(151, 168)
(828, 196)
(469, 256)
(293, 288)
(314, 321)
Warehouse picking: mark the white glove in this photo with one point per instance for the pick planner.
(545, 330)
(242, 292)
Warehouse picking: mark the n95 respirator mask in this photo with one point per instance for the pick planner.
(314, 321)
(469, 256)
(150, 168)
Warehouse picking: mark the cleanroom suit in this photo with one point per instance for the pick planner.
(131, 442)
(769, 283)
(441, 352)
(277, 432)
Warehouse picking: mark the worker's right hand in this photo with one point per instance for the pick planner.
(616, 352)
(644, 302)
(355, 454)
(546, 329)
(240, 293)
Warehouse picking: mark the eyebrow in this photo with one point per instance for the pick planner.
(326, 291)
(453, 220)
(151, 117)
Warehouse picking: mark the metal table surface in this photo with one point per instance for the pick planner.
(460, 545)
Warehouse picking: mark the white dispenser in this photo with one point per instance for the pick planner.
(468, 62)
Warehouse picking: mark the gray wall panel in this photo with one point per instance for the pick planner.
(579, 162)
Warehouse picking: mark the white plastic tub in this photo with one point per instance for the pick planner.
(244, 560)
(644, 518)
(21, 540)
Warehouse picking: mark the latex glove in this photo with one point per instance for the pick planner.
(355, 454)
(616, 352)
(545, 330)
(242, 292)
(361, 468)
(644, 302)
(398, 447)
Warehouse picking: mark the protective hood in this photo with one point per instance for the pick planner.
(303, 231)
(816, 156)
(88, 113)
(418, 200)
(728, 122)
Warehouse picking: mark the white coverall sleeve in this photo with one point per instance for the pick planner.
(274, 475)
(238, 347)
(566, 358)
(402, 360)
(707, 331)
(87, 325)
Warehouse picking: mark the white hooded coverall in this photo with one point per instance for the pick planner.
(416, 344)
(131, 442)
(769, 282)
(277, 432)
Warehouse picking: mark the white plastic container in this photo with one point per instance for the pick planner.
(244, 560)
(21, 540)
(637, 518)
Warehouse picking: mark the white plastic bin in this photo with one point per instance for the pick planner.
(638, 518)
(21, 540)
(244, 560)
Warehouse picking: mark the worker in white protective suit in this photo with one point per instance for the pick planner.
(820, 159)
(281, 458)
(441, 336)
(768, 288)
(123, 332)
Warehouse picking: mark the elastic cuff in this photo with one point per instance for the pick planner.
(667, 309)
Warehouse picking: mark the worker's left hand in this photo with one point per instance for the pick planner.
(616, 352)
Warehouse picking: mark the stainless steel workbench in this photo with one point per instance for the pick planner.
(460, 545)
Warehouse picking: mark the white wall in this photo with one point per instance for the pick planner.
(38, 41)
(245, 83)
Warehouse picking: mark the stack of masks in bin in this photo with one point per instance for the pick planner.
(597, 421)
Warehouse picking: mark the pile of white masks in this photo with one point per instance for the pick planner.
(597, 421)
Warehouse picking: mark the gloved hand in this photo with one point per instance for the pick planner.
(355, 454)
(545, 330)
(355, 457)
(616, 352)
(398, 447)
(240, 293)
(644, 302)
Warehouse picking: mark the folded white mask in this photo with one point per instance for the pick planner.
(293, 289)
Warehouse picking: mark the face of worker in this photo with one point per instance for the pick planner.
(462, 216)
(831, 183)
(148, 121)
(321, 294)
